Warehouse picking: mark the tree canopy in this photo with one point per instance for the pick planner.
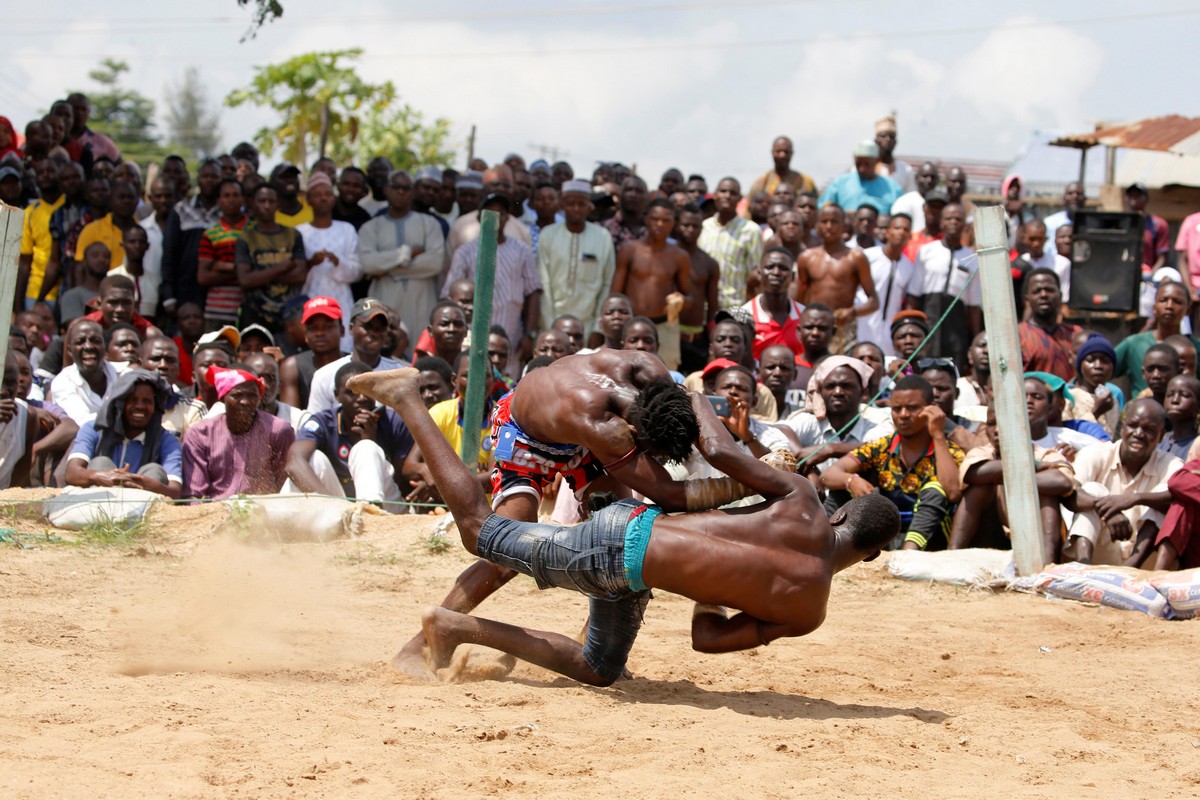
(123, 114)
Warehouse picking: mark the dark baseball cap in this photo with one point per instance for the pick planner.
(368, 308)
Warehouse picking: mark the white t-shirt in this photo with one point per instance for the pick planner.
(321, 396)
(1050, 259)
(932, 264)
(1056, 436)
(892, 280)
(913, 204)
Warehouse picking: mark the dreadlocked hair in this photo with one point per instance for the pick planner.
(663, 421)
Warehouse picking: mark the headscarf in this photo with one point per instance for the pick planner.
(813, 402)
(224, 379)
(110, 419)
(12, 139)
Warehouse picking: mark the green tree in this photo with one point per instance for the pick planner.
(324, 106)
(123, 114)
(264, 11)
(192, 125)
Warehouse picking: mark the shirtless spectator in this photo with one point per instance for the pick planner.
(831, 274)
(789, 233)
(694, 570)
(322, 321)
(698, 315)
(983, 499)
(244, 450)
(776, 316)
(655, 274)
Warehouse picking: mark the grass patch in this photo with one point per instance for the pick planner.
(105, 532)
(436, 543)
(369, 554)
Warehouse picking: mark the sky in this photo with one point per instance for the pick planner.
(703, 86)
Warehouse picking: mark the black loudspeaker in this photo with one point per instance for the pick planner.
(1106, 261)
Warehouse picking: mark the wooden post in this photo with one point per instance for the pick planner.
(471, 147)
(11, 220)
(1008, 390)
(481, 322)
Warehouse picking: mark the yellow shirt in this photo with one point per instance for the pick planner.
(445, 414)
(305, 214)
(102, 230)
(37, 242)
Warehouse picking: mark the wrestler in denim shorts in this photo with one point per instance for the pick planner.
(588, 558)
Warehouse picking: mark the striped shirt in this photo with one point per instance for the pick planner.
(737, 246)
(220, 244)
(516, 278)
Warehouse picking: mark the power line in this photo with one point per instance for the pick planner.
(691, 46)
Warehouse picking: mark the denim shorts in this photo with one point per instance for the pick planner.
(588, 558)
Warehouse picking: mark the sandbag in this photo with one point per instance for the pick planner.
(1118, 587)
(1181, 590)
(296, 517)
(974, 566)
(77, 507)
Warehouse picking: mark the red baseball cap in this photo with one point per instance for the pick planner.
(717, 365)
(323, 306)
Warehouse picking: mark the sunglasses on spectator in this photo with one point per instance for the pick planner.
(937, 363)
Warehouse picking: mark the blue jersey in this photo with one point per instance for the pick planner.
(324, 428)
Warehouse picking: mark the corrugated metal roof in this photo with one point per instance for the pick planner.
(1163, 134)
(1157, 170)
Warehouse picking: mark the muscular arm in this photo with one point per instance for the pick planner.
(621, 273)
(289, 382)
(862, 270)
(838, 475)
(298, 467)
(53, 268)
(215, 273)
(947, 470)
(713, 633)
(683, 277)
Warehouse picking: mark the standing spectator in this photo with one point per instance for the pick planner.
(135, 243)
(74, 301)
(629, 224)
(292, 209)
(126, 444)
(323, 333)
(497, 180)
(517, 290)
(378, 171)
(161, 199)
(734, 242)
(100, 145)
(181, 243)
(244, 450)
(352, 187)
(1037, 254)
(354, 449)
(913, 203)
(270, 263)
(1046, 342)
(1156, 236)
(1171, 304)
(1074, 198)
(944, 270)
(832, 274)
(781, 153)
(863, 184)
(190, 322)
(576, 261)
(891, 271)
(544, 205)
(216, 266)
(776, 316)
(111, 227)
(404, 252)
(36, 241)
(331, 248)
(700, 314)
(1122, 496)
(890, 166)
(368, 335)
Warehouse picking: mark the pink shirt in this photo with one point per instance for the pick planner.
(1188, 241)
(218, 464)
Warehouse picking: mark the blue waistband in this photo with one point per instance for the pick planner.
(637, 539)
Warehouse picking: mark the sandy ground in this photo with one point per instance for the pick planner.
(189, 664)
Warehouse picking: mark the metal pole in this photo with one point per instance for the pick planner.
(481, 322)
(1008, 390)
(11, 220)
(471, 147)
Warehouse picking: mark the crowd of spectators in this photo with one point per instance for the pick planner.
(192, 334)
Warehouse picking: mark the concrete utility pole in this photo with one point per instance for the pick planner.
(11, 220)
(1008, 390)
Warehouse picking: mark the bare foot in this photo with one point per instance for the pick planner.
(411, 660)
(434, 622)
(393, 387)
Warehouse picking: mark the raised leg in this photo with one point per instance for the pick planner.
(458, 486)
(446, 630)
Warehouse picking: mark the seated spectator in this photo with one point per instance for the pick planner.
(161, 355)
(126, 444)
(777, 369)
(942, 375)
(436, 381)
(322, 321)
(1094, 397)
(244, 450)
(80, 387)
(213, 349)
(1122, 496)
(1159, 365)
(55, 431)
(253, 339)
(917, 468)
(266, 368)
(369, 330)
(833, 427)
(737, 385)
(909, 329)
(122, 344)
(1177, 545)
(18, 429)
(1046, 397)
(1045, 342)
(1183, 403)
(74, 302)
(355, 449)
(878, 412)
(983, 499)
(642, 334)
(1187, 353)
(975, 387)
(1171, 304)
